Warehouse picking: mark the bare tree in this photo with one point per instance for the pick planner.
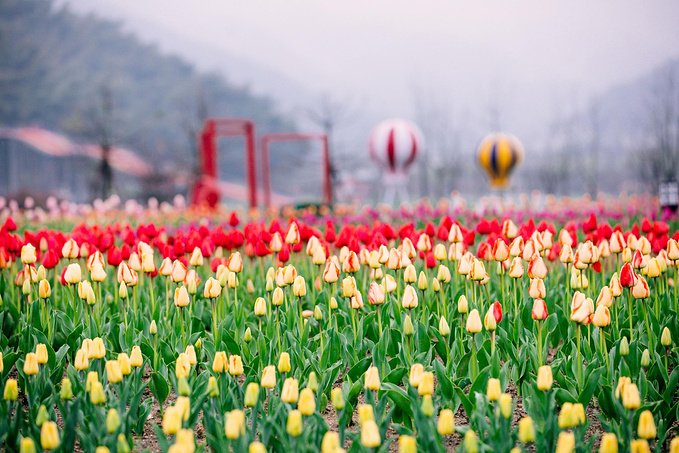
(662, 155)
(439, 164)
(97, 123)
(194, 112)
(329, 114)
(594, 147)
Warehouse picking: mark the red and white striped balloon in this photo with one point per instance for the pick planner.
(394, 144)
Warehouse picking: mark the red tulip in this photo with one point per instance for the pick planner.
(627, 276)
(51, 259)
(496, 309)
(114, 256)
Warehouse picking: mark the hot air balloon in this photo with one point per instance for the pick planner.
(498, 155)
(394, 145)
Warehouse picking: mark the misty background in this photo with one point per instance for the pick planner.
(590, 89)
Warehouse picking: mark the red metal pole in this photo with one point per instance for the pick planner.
(266, 172)
(250, 169)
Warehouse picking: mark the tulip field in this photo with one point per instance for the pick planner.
(426, 329)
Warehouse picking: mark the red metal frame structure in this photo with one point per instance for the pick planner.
(295, 137)
(206, 189)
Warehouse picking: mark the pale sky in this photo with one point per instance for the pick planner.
(534, 54)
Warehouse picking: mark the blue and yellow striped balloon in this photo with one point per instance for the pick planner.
(498, 154)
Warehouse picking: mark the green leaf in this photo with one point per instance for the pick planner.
(159, 387)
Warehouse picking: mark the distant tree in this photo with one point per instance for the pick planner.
(329, 114)
(660, 160)
(439, 163)
(194, 111)
(594, 125)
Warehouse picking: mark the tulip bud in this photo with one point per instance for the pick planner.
(426, 385)
(493, 390)
(674, 445)
(212, 387)
(537, 289)
(545, 379)
(330, 442)
(307, 402)
(579, 413)
(97, 349)
(234, 426)
(602, 316)
(471, 443)
(41, 353)
(136, 359)
(73, 274)
(539, 310)
(474, 322)
(505, 403)
(28, 254)
(11, 391)
(97, 395)
(645, 358)
(372, 379)
(299, 287)
(566, 442)
(462, 305)
(666, 338)
(172, 420)
(31, 364)
(122, 291)
(268, 377)
(181, 296)
(27, 445)
(290, 392)
(646, 428)
(235, 365)
(251, 394)
(489, 321)
(277, 297)
(370, 435)
(427, 406)
(408, 326)
(183, 387)
(42, 416)
(609, 443)
(630, 396)
(365, 413)
(446, 423)
(66, 392)
(49, 436)
(416, 373)
(284, 363)
(294, 424)
(444, 328)
(112, 421)
(337, 399)
(153, 328)
(406, 444)
(526, 430)
(639, 446)
(44, 289)
(624, 347)
(567, 417)
(260, 307)
(348, 287)
(81, 360)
